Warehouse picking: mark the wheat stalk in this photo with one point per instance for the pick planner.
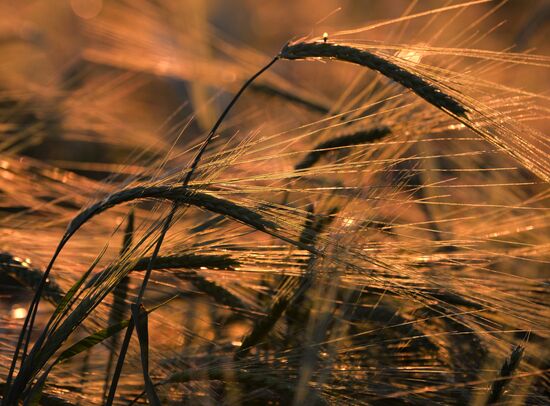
(30, 276)
(528, 146)
(429, 92)
(288, 301)
(341, 141)
(508, 369)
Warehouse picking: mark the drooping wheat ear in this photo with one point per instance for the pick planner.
(29, 277)
(181, 194)
(313, 227)
(527, 145)
(216, 292)
(189, 261)
(429, 92)
(195, 261)
(342, 141)
(505, 376)
(178, 261)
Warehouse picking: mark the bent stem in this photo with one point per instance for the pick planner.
(166, 226)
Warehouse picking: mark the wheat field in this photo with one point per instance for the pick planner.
(274, 203)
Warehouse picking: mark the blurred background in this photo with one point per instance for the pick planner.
(98, 95)
(77, 74)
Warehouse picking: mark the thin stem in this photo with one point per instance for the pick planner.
(119, 299)
(167, 224)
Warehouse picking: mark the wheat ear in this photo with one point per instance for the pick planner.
(509, 366)
(429, 92)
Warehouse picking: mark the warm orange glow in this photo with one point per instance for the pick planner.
(348, 222)
(409, 55)
(87, 9)
(357, 221)
(18, 313)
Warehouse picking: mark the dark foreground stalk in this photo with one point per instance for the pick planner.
(166, 226)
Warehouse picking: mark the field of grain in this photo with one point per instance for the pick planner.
(208, 202)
